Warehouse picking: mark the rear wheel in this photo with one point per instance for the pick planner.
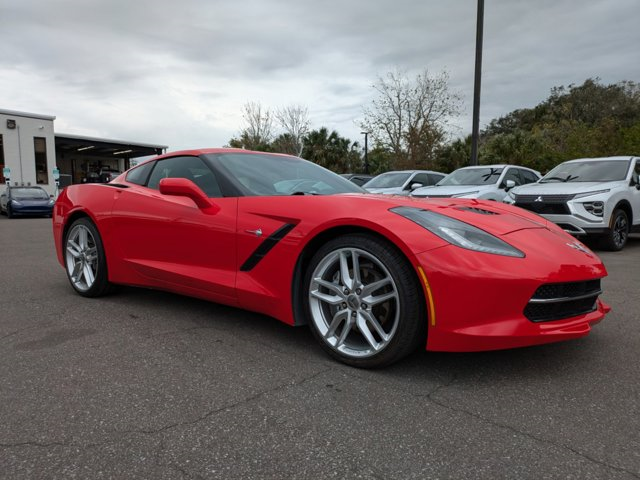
(85, 260)
(364, 302)
(616, 239)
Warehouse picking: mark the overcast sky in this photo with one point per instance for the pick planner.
(177, 73)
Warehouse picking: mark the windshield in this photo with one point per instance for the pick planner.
(388, 180)
(472, 176)
(598, 171)
(29, 194)
(265, 174)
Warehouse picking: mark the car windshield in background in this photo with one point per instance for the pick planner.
(604, 171)
(389, 180)
(472, 176)
(281, 175)
(28, 194)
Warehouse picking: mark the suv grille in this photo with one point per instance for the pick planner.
(544, 204)
(555, 301)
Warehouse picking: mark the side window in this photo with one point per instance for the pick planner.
(139, 175)
(422, 178)
(512, 174)
(529, 177)
(191, 168)
(435, 178)
(636, 173)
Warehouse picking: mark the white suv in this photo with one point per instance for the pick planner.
(487, 182)
(590, 196)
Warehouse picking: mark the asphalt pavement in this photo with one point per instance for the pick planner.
(146, 384)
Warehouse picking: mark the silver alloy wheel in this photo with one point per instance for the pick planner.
(81, 257)
(354, 301)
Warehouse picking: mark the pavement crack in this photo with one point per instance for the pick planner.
(32, 444)
(527, 434)
(232, 406)
(20, 330)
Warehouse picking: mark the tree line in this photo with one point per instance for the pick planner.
(409, 126)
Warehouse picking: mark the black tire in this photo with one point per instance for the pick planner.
(90, 255)
(616, 239)
(397, 326)
(9, 212)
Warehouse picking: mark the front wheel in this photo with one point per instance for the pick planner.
(364, 302)
(9, 212)
(616, 239)
(85, 260)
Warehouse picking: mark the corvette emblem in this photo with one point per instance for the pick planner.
(578, 246)
(539, 199)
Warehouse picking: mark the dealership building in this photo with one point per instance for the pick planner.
(31, 153)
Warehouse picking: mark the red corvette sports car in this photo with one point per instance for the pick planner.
(374, 276)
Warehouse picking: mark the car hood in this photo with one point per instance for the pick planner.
(564, 188)
(492, 217)
(386, 191)
(452, 190)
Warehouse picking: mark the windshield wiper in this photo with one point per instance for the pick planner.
(299, 192)
(569, 178)
(492, 172)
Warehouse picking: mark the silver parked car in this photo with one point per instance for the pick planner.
(402, 182)
(597, 197)
(487, 182)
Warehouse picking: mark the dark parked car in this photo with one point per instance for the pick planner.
(357, 178)
(31, 201)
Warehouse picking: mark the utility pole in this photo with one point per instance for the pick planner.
(366, 152)
(476, 87)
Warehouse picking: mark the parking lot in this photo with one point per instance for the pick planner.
(144, 384)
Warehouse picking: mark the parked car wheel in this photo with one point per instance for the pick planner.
(616, 239)
(85, 260)
(9, 212)
(364, 301)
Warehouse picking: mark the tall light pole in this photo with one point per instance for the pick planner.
(476, 87)
(366, 152)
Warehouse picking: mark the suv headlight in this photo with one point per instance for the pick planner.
(458, 233)
(594, 208)
(588, 194)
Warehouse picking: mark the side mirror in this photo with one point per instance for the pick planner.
(182, 187)
(415, 185)
(509, 184)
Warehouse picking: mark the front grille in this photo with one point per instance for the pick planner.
(555, 301)
(544, 198)
(542, 208)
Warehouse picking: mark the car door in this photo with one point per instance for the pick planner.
(172, 242)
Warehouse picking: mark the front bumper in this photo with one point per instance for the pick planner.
(31, 210)
(478, 301)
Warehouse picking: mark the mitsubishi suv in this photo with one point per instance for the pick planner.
(597, 197)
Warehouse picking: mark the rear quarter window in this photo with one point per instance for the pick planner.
(140, 175)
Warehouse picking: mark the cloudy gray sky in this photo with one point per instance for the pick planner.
(178, 72)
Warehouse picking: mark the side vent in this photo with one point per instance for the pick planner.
(479, 211)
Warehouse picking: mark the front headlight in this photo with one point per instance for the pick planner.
(15, 202)
(52, 201)
(588, 194)
(465, 194)
(458, 233)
